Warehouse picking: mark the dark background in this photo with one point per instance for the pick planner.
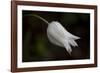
(37, 47)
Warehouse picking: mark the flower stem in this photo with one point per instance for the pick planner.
(37, 16)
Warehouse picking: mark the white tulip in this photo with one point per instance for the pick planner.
(59, 36)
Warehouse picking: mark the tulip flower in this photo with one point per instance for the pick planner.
(59, 36)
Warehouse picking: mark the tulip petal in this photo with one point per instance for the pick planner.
(54, 41)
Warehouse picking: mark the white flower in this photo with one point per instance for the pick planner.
(58, 35)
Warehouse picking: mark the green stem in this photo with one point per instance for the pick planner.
(37, 16)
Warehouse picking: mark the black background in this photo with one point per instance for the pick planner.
(37, 47)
